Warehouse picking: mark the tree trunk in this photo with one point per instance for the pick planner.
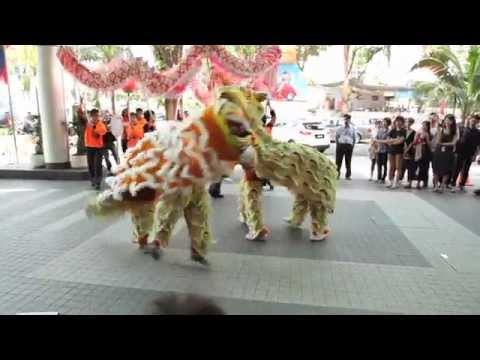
(346, 82)
(171, 106)
(465, 111)
(113, 102)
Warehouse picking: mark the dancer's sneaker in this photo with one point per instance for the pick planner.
(262, 235)
(320, 237)
(462, 189)
(388, 185)
(289, 222)
(154, 249)
(199, 259)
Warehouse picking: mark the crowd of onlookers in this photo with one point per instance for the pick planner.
(444, 145)
(448, 148)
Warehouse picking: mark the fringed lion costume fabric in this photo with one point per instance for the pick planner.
(305, 171)
(166, 172)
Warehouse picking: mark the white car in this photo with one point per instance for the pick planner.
(303, 131)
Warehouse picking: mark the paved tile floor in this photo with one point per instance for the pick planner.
(392, 252)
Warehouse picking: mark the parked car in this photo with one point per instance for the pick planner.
(365, 128)
(4, 118)
(304, 130)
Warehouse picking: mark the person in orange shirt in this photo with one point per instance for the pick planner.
(94, 132)
(140, 117)
(134, 131)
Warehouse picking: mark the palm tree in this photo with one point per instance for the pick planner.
(460, 78)
(427, 92)
(104, 54)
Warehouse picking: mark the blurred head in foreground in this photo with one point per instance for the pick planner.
(184, 304)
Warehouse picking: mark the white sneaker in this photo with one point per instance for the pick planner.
(320, 237)
(388, 184)
(394, 186)
(289, 222)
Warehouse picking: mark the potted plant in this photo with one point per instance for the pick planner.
(79, 159)
(36, 159)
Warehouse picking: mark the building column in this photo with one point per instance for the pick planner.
(52, 110)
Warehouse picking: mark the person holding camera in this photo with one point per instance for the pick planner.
(94, 133)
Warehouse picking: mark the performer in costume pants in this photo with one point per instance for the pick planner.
(301, 207)
(195, 209)
(143, 220)
(251, 213)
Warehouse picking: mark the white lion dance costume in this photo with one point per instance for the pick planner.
(166, 172)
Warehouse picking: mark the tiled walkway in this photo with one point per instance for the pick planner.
(391, 252)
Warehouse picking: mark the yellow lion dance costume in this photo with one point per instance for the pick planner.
(306, 172)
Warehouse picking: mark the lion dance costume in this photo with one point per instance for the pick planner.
(306, 172)
(165, 174)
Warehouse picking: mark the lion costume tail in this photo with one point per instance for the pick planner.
(105, 206)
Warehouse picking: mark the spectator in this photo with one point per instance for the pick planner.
(271, 123)
(373, 152)
(126, 123)
(134, 130)
(28, 124)
(139, 115)
(409, 154)
(94, 132)
(434, 123)
(215, 190)
(345, 139)
(443, 158)
(466, 149)
(382, 156)
(179, 115)
(150, 119)
(269, 127)
(423, 154)
(395, 140)
(110, 146)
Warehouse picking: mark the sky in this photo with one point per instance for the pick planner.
(328, 67)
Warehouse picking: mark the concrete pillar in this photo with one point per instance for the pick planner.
(52, 109)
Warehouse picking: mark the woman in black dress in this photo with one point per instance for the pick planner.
(444, 157)
(409, 154)
(396, 142)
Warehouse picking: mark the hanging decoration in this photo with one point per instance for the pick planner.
(171, 83)
(130, 86)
